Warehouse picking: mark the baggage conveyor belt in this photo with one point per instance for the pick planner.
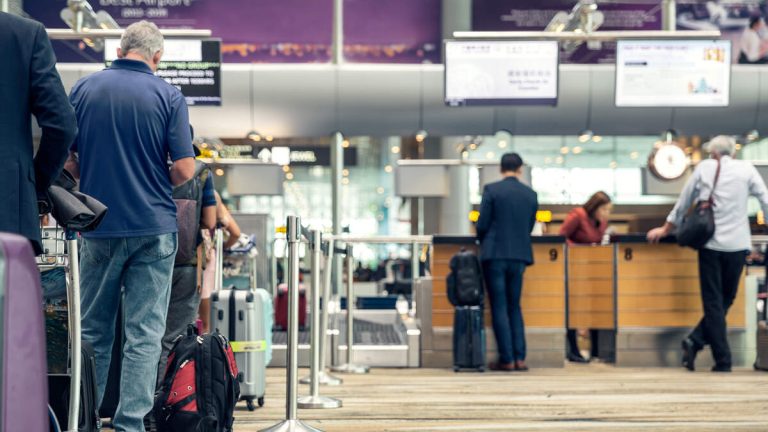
(382, 339)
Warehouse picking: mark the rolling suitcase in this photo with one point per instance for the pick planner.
(281, 307)
(239, 316)
(58, 386)
(23, 389)
(468, 338)
(761, 362)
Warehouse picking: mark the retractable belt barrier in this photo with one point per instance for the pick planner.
(350, 367)
(291, 422)
(314, 400)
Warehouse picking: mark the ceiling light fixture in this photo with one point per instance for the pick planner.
(421, 135)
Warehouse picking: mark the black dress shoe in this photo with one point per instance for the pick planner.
(576, 358)
(689, 354)
(721, 368)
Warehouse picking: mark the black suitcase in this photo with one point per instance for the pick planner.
(58, 393)
(761, 361)
(468, 338)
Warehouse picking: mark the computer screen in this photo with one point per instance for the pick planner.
(673, 73)
(501, 73)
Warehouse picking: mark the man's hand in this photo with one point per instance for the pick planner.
(656, 234)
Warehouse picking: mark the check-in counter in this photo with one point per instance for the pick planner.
(543, 303)
(659, 302)
(646, 295)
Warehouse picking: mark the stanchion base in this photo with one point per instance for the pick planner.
(291, 426)
(319, 402)
(351, 368)
(323, 378)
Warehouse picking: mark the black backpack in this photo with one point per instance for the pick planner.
(200, 388)
(189, 205)
(465, 281)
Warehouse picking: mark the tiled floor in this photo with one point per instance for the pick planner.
(586, 398)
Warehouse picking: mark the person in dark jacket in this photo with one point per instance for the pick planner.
(29, 85)
(507, 216)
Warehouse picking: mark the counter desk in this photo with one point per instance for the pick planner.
(646, 295)
(659, 302)
(543, 303)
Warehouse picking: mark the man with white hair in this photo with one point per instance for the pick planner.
(131, 124)
(722, 259)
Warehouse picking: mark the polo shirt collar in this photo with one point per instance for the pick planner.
(133, 65)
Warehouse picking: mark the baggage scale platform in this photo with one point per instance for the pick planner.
(382, 339)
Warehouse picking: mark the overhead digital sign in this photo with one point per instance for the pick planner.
(683, 73)
(501, 73)
(191, 65)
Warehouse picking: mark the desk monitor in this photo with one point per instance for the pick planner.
(490, 173)
(762, 168)
(501, 72)
(673, 73)
(421, 180)
(653, 185)
(255, 179)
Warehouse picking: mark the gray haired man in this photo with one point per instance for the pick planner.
(722, 259)
(132, 123)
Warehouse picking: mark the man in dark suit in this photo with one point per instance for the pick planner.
(29, 85)
(507, 216)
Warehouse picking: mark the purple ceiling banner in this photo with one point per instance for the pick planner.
(392, 31)
(534, 15)
(275, 31)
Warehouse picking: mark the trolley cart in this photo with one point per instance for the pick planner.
(61, 251)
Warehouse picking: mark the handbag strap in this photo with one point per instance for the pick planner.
(714, 185)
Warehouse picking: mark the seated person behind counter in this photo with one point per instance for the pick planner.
(586, 225)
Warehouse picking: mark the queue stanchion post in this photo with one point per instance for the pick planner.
(324, 378)
(314, 400)
(73, 299)
(291, 422)
(350, 367)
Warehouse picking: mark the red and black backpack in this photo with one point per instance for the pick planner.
(200, 388)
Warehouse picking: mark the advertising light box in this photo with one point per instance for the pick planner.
(501, 73)
(689, 73)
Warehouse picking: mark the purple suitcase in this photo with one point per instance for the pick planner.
(24, 386)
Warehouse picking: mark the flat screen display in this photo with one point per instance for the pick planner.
(501, 73)
(690, 73)
(191, 65)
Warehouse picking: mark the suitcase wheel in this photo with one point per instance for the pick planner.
(456, 368)
(481, 369)
(249, 404)
(261, 401)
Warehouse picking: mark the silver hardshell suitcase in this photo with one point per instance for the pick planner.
(237, 314)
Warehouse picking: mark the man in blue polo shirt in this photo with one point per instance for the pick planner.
(131, 123)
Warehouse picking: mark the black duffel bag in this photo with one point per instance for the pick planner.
(698, 225)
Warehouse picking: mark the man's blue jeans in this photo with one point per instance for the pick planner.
(504, 281)
(142, 266)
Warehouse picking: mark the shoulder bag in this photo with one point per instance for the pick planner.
(698, 225)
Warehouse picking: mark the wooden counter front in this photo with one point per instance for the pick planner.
(658, 286)
(591, 299)
(543, 300)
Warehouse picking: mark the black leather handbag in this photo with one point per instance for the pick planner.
(698, 225)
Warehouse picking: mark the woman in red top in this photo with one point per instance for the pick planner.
(586, 225)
